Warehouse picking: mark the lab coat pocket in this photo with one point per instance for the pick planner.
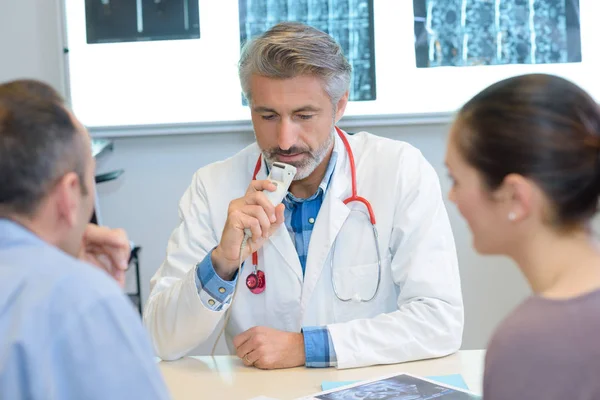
(353, 284)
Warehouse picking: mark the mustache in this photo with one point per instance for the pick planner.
(288, 152)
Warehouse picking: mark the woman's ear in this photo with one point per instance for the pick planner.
(518, 196)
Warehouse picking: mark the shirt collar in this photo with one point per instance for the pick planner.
(324, 182)
(11, 231)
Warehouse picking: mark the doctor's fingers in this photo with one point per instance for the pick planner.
(253, 218)
(249, 359)
(253, 199)
(260, 185)
(250, 346)
(261, 199)
(261, 360)
(246, 341)
(238, 222)
(240, 339)
(257, 212)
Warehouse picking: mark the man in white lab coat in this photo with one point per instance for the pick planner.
(318, 295)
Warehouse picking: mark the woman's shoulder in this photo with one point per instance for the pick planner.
(541, 345)
(540, 321)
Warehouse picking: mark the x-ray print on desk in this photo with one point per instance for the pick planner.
(111, 21)
(496, 32)
(349, 22)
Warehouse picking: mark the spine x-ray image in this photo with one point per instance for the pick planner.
(496, 32)
(110, 21)
(349, 22)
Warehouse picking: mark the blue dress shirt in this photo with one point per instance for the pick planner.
(66, 329)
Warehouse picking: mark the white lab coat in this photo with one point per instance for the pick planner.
(418, 311)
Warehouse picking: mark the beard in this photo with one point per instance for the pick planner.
(312, 158)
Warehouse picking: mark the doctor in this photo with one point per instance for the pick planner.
(319, 295)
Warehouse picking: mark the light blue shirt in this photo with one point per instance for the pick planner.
(66, 329)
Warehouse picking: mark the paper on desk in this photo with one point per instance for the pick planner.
(405, 383)
(455, 380)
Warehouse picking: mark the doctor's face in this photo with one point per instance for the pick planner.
(485, 215)
(294, 120)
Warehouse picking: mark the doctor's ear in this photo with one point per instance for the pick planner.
(340, 107)
(518, 196)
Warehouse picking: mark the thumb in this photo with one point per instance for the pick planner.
(279, 214)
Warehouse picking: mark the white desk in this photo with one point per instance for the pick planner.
(225, 377)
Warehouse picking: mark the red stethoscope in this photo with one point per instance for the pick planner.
(256, 280)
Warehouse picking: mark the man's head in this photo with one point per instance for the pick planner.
(296, 80)
(46, 165)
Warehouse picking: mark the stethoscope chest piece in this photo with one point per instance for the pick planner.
(256, 282)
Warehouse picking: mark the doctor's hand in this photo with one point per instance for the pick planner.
(255, 212)
(108, 249)
(268, 348)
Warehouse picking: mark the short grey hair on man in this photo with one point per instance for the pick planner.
(291, 49)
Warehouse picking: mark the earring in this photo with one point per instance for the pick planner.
(512, 216)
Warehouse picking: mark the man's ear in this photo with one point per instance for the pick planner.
(341, 107)
(66, 196)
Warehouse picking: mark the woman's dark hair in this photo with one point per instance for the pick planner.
(544, 128)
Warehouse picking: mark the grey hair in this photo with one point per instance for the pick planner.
(290, 49)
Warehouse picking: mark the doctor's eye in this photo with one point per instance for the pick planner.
(268, 117)
(305, 116)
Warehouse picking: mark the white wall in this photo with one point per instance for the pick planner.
(158, 169)
(30, 41)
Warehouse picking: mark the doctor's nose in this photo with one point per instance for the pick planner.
(286, 134)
